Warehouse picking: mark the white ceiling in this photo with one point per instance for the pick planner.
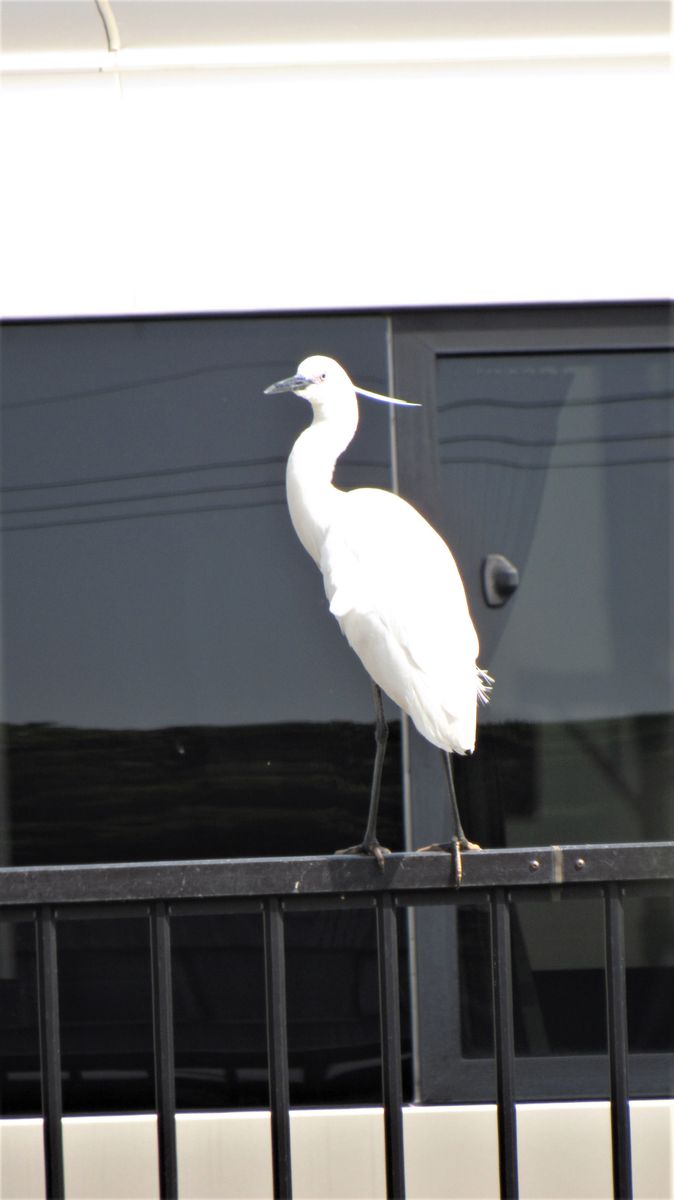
(76, 25)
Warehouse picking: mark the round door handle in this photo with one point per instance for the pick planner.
(500, 578)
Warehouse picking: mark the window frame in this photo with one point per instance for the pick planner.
(442, 1074)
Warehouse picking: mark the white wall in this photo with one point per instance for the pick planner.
(389, 174)
(450, 1152)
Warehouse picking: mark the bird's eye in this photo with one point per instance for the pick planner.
(322, 377)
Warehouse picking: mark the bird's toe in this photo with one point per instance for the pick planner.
(449, 847)
(455, 848)
(374, 849)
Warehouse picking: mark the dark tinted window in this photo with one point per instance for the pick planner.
(173, 682)
(561, 459)
(174, 686)
(563, 462)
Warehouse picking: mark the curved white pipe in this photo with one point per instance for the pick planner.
(109, 24)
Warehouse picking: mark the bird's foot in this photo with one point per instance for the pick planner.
(455, 847)
(448, 847)
(373, 848)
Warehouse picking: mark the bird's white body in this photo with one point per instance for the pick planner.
(391, 580)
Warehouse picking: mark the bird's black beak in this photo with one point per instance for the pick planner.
(296, 383)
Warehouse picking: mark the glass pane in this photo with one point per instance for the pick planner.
(219, 1012)
(19, 1036)
(649, 948)
(332, 993)
(173, 685)
(105, 1008)
(564, 463)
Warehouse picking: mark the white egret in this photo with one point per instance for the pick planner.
(391, 582)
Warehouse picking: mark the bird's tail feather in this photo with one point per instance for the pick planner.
(485, 684)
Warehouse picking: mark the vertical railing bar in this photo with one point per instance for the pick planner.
(389, 1008)
(616, 1012)
(50, 1052)
(164, 1059)
(504, 1037)
(277, 1047)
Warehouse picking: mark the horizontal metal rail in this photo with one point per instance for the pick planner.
(156, 891)
(247, 878)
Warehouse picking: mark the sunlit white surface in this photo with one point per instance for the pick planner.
(418, 182)
(450, 1153)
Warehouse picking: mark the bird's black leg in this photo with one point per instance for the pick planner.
(381, 738)
(369, 844)
(458, 840)
(455, 816)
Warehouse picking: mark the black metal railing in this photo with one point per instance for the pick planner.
(158, 891)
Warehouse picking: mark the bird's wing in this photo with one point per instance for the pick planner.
(381, 557)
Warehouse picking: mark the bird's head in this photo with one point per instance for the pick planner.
(326, 386)
(320, 380)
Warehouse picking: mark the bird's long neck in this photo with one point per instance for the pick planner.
(311, 465)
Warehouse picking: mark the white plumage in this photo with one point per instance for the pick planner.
(397, 594)
(391, 580)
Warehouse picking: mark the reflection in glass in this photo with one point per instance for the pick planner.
(173, 685)
(563, 462)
